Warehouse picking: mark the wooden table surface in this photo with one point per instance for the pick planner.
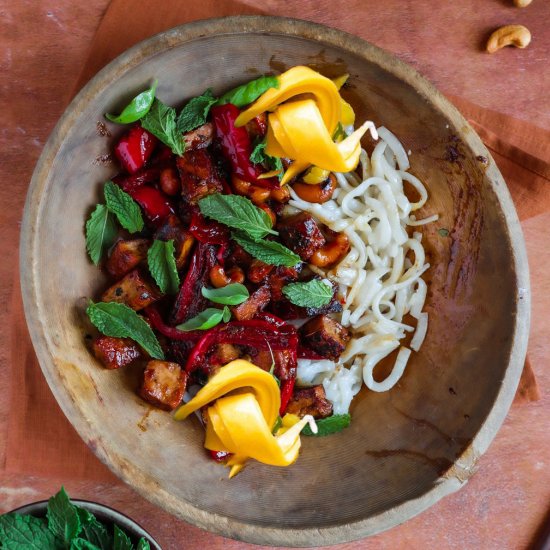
(43, 44)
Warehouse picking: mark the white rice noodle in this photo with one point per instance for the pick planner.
(380, 277)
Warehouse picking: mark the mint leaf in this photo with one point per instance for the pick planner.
(161, 122)
(195, 112)
(19, 532)
(259, 156)
(237, 212)
(93, 531)
(124, 207)
(162, 265)
(314, 293)
(114, 319)
(206, 319)
(101, 232)
(137, 108)
(63, 519)
(122, 541)
(247, 93)
(231, 295)
(269, 252)
(83, 544)
(327, 426)
(143, 544)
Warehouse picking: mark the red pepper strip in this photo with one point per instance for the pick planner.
(190, 300)
(236, 146)
(306, 353)
(134, 149)
(222, 252)
(171, 332)
(287, 387)
(153, 202)
(207, 231)
(254, 333)
(139, 179)
(219, 456)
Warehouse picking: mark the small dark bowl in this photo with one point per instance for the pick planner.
(104, 514)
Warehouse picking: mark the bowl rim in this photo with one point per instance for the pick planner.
(146, 485)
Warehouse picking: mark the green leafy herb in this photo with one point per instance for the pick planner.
(137, 108)
(206, 319)
(114, 319)
(259, 156)
(143, 544)
(101, 232)
(314, 293)
(247, 93)
(124, 207)
(339, 133)
(162, 265)
(331, 425)
(269, 252)
(19, 532)
(443, 232)
(83, 544)
(237, 212)
(230, 295)
(161, 122)
(122, 540)
(195, 112)
(277, 425)
(94, 531)
(63, 517)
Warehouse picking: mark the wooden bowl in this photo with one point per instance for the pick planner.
(406, 448)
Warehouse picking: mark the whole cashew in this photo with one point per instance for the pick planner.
(318, 192)
(522, 3)
(331, 252)
(509, 35)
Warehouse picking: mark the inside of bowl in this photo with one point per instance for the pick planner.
(400, 443)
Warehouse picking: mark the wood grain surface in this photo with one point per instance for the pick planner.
(43, 47)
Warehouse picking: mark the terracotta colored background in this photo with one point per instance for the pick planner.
(44, 46)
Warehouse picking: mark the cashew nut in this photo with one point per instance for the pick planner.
(219, 278)
(318, 192)
(509, 35)
(522, 3)
(331, 252)
(255, 193)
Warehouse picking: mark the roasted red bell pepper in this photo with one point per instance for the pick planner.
(134, 148)
(139, 179)
(207, 231)
(219, 456)
(287, 387)
(236, 146)
(154, 203)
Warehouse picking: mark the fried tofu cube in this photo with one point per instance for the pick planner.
(115, 353)
(125, 256)
(255, 303)
(325, 336)
(134, 290)
(200, 137)
(199, 175)
(311, 401)
(301, 234)
(164, 384)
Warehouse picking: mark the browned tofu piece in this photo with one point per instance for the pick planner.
(280, 277)
(173, 229)
(115, 352)
(258, 271)
(325, 336)
(134, 290)
(301, 234)
(253, 305)
(200, 137)
(164, 384)
(199, 175)
(257, 127)
(285, 366)
(225, 353)
(125, 256)
(311, 401)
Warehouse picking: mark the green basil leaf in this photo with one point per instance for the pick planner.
(161, 122)
(226, 314)
(19, 532)
(194, 114)
(63, 517)
(162, 265)
(137, 108)
(269, 252)
(101, 232)
(247, 93)
(118, 320)
(143, 544)
(314, 293)
(327, 426)
(237, 212)
(122, 540)
(205, 319)
(230, 295)
(124, 207)
(83, 544)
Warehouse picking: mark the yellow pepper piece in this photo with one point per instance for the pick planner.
(296, 81)
(235, 375)
(315, 175)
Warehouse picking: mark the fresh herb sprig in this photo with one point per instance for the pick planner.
(259, 156)
(206, 319)
(124, 207)
(269, 252)
(315, 293)
(161, 122)
(65, 527)
(331, 425)
(232, 294)
(162, 265)
(195, 112)
(137, 108)
(249, 92)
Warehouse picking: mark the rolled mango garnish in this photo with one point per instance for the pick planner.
(304, 112)
(241, 423)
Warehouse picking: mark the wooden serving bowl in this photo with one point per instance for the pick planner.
(405, 448)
